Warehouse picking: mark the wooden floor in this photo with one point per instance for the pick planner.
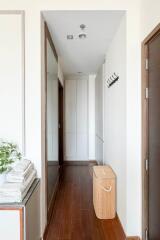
(73, 215)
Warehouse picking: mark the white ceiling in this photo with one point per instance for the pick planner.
(87, 55)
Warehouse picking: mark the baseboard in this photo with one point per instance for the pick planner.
(53, 163)
(133, 238)
(93, 162)
(80, 163)
(76, 163)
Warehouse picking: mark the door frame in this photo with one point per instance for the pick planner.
(145, 175)
(49, 38)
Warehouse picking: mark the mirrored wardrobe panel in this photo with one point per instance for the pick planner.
(52, 171)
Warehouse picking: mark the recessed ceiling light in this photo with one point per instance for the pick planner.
(82, 26)
(70, 37)
(82, 34)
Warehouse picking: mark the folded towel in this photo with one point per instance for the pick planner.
(22, 165)
(15, 192)
(20, 177)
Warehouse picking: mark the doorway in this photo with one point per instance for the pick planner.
(151, 136)
(82, 122)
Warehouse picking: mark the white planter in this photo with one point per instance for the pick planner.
(2, 177)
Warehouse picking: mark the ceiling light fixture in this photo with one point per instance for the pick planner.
(70, 37)
(82, 34)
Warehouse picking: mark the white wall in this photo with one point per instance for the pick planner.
(99, 121)
(150, 16)
(115, 116)
(34, 114)
(91, 117)
(12, 79)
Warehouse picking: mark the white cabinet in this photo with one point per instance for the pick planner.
(10, 224)
(70, 119)
(76, 119)
(82, 119)
(21, 221)
(70, 105)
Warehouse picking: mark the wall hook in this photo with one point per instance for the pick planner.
(111, 80)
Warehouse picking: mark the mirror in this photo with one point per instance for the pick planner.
(51, 121)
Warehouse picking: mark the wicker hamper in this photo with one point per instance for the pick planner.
(104, 192)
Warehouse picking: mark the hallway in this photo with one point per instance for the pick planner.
(73, 217)
(79, 83)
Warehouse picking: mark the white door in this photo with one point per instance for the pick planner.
(82, 120)
(76, 119)
(70, 119)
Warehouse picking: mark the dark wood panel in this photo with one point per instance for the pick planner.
(147, 74)
(154, 137)
(73, 214)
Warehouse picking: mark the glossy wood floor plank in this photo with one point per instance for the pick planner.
(73, 215)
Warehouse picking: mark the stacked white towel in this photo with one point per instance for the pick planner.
(21, 172)
(18, 182)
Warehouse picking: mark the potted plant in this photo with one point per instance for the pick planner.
(8, 155)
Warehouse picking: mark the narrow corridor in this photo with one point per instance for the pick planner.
(73, 215)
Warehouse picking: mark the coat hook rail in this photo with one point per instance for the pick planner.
(114, 78)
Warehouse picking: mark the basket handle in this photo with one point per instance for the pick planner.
(108, 189)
